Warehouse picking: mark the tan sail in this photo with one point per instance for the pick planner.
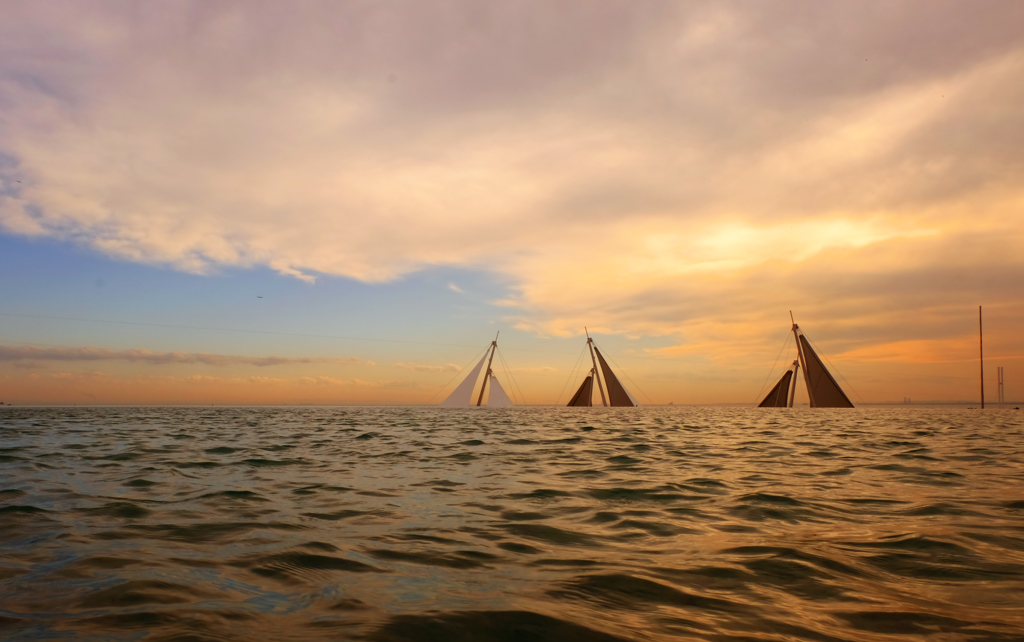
(617, 395)
(779, 395)
(584, 395)
(497, 397)
(822, 389)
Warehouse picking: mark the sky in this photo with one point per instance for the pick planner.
(344, 202)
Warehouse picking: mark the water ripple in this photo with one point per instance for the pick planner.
(560, 524)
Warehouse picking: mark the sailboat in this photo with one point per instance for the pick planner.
(822, 389)
(462, 396)
(617, 393)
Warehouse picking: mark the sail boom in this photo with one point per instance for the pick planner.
(594, 372)
(792, 387)
(483, 387)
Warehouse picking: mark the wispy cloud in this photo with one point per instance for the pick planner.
(534, 369)
(390, 384)
(30, 354)
(73, 377)
(422, 367)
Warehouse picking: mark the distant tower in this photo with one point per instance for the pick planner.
(999, 378)
(981, 358)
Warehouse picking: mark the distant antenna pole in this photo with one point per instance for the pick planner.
(487, 375)
(1001, 390)
(792, 386)
(593, 359)
(981, 358)
(803, 362)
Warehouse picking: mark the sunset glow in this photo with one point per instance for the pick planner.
(207, 203)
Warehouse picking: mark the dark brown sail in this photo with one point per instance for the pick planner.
(584, 394)
(617, 395)
(779, 396)
(822, 389)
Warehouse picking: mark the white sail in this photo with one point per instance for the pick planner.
(463, 394)
(497, 398)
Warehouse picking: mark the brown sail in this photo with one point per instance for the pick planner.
(822, 389)
(617, 395)
(584, 394)
(779, 395)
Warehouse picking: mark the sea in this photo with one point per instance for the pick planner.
(520, 524)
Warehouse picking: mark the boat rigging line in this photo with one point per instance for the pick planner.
(771, 372)
(463, 369)
(835, 369)
(572, 375)
(635, 384)
(511, 377)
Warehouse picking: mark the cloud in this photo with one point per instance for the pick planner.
(420, 367)
(183, 144)
(77, 377)
(355, 383)
(693, 170)
(267, 381)
(30, 354)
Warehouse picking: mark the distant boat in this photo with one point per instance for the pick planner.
(822, 389)
(617, 394)
(462, 396)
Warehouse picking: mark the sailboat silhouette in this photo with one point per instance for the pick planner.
(617, 394)
(822, 389)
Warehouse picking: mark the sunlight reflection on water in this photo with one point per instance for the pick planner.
(528, 523)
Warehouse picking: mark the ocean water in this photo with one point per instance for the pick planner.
(678, 523)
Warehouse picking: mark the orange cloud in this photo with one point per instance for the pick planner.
(141, 355)
(956, 350)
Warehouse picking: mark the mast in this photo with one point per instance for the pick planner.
(981, 358)
(1000, 391)
(803, 363)
(494, 346)
(593, 359)
(823, 391)
(792, 390)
